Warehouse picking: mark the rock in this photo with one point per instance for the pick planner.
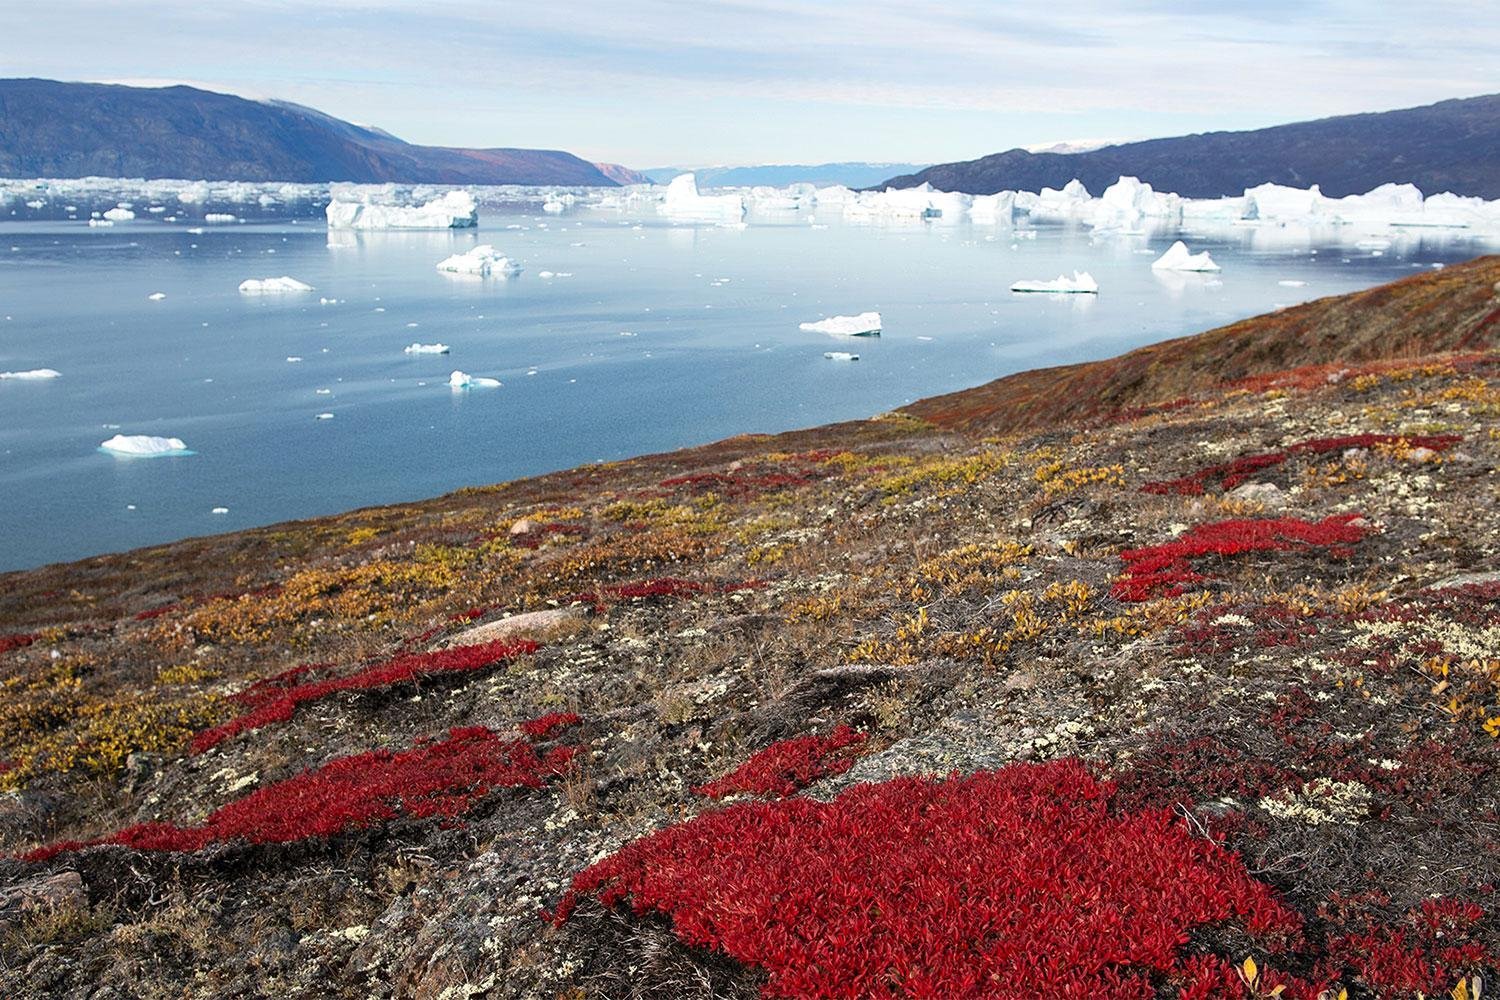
(1266, 493)
(524, 526)
(63, 890)
(1421, 455)
(506, 628)
(1467, 580)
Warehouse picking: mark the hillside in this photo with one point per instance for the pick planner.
(1449, 146)
(54, 129)
(1171, 676)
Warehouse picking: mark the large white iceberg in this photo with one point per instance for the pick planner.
(915, 204)
(1082, 283)
(463, 380)
(34, 375)
(682, 201)
(118, 214)
(998, 208)
(866, 324)
(1178, 258)
(273, 286)
(1129, 201)
(426, 349)
(454, 210)
(144, 446)
(482, 261)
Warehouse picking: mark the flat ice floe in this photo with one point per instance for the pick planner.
(273, 286)
(840, 356)
(144, 446)
(454, 210)
(426, 348)
(1082, 283)
(482, 260)
(34, 375)
(1178, 258)
(866, 324)
(463, 380)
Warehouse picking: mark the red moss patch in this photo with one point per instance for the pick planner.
(1166, 570)
(278, 705)
(1012, 883)
(788, 766)
(442, 777)
(15, 641)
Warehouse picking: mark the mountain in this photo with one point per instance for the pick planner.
(54, 129)
(622, 175)
(1449, 146)
(1060, 703)
(853, 175)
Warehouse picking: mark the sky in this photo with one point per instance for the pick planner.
(660, 82)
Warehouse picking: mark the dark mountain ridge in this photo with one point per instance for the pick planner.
(1449, 146)
(54, 129)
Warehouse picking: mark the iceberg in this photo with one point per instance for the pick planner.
(144, 446)
(683, 202)
(34, 375)
(553, 206)
(1177, 258)
(273, 286)
(1129, 201)
(1082, 283)
(463, 380)
(840, 356)
(482, 261)
(218, 217)
(454, 210)
(118, 214)
(427, 349)
(866, 324)
(997, 208)
(157, 296)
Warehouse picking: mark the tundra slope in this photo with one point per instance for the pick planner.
(1231, 602)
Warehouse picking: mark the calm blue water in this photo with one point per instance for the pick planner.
(705, 361)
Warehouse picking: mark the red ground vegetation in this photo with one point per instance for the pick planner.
(1166, 570)
(1011, 883)
(275, 704)
(789, 765)
(15, 641)
(441, 777)
(1230, 474)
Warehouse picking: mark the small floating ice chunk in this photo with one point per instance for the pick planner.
(463, 380)
(293, 359)
(144, 446)
(325, 416)
(840, 356)
(426, 349)
(273, 286)
(553, 206)
(1082, 283)
(219, 510)
(100, 223)
(157, 296)
(119, 215)
(34, 375)
(218, 217)
(483, 260)
(1177, 258)
(866, 324)
(1292, 283)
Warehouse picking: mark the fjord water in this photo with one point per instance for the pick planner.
(704, 357)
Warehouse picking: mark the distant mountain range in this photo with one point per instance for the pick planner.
(54, 129)
(854, 175)
(1449, 146)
